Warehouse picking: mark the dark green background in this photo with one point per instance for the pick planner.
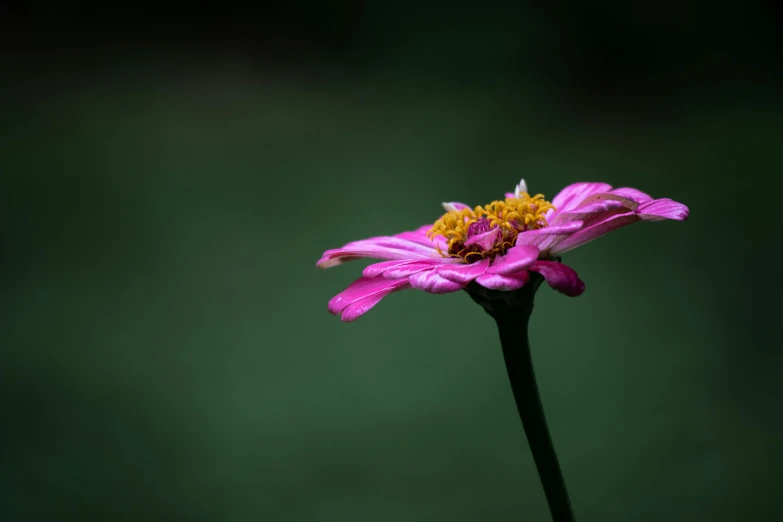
(166, 350)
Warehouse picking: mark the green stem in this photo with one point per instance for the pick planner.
(519, 364)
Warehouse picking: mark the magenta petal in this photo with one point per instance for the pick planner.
(394, 242)
(560, 277)
(654, 210)
(592, 211)
(360, 289)
(384, 247)
(545, 238)
(529, 236)
(595, 209)
(419, 236)
(431, 282)
(486, 240)
(660, 209)
(504, 282)
(604, 201)
(463, 273)
(593, 232)
(340, 255)
(377, 269)
(363, 305)
(632, 193)
(517, 258)
(399, 271)
(575, 193)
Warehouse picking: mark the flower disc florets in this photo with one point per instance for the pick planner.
(490, 230)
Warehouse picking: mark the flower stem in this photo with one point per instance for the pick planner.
(512, 328)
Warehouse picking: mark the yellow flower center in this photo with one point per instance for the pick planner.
(490, 230)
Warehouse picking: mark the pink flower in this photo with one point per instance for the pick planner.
(496, 245)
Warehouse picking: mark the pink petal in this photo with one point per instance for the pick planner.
(517, 258)
(593, 232)
(362, 288)
(595, 209)
(377, 269)
(560, 277)
(362, 306)
(575, 193)
(486, 240)
(339, 256)
(431, 282)
(419, 236)
(394, 242)
(384, 247)
(504, 282)
(654, 210)
(604, 201)
(389, 268)
(632, 193)
(545, 238)
(527, 237)
(661, 209)
(592, 210)
(417, 266)
(463, 273)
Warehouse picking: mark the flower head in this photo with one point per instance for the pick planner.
(491, 230)
(495, 245)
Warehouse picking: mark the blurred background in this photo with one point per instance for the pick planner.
(169, 176)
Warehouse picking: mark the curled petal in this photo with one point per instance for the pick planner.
(430, 281)
(593, 232)
(596, 208)
(560, 277)
(417, 266)
(528, 237)
(593, 210)
(362, 306)
(384, 247)
(420, 237)
(395, 269)
(655, 210)
(377, 269)
(361, 289)
(661, 209)
(394, 242)
(608, 199)
(575, 193)
(545, 238)
(504, 282)
(463, 273)
(632, 193)
(486, 240)
(516, 259)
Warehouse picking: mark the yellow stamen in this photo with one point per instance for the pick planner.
(512, 216)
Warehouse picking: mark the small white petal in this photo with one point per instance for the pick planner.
(522, 187)
(449, 207)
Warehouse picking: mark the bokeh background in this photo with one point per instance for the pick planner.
(168, 179)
